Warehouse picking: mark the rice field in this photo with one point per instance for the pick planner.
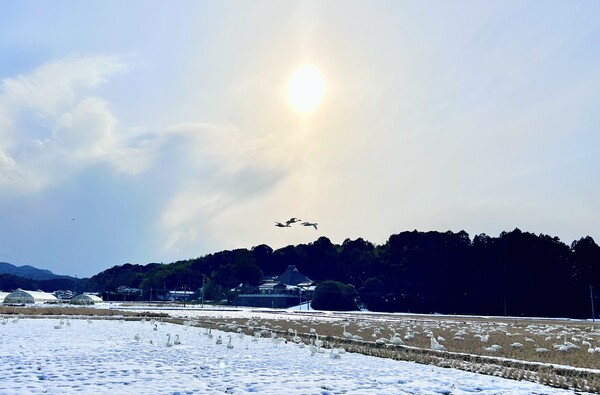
(560, 353)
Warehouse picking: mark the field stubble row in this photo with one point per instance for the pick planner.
(465, 340)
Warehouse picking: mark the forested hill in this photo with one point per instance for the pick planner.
(27, 271)
(516, 273)
(29, 277)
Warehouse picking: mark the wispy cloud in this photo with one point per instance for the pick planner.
(58, 85)
(218, 168)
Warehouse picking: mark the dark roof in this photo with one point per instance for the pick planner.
(292, 276)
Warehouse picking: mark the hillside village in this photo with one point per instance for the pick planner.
(286, 290)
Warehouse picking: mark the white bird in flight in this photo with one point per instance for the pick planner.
(313, 224)
(291, 221)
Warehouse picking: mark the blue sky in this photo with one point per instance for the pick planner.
(155, 131)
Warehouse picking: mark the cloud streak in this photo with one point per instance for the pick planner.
(219, 169)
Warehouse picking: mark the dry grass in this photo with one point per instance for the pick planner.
(531, 335)
(71, 311)
(466, 354)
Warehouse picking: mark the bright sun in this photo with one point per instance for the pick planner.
(306, 88)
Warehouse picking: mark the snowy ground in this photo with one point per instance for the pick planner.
(103, 356)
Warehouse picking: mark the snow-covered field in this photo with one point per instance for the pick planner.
(104, 357)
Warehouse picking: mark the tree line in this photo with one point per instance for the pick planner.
(516, 274)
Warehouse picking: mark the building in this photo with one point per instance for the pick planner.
(292, 276)
(21, 296)
(124, 290)
(64, 294)
(290, 288)
(86, 299)
(181, 296)
(2, 295)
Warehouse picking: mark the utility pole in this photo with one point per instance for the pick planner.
(150, 294)
(592, 300)
(202, 303)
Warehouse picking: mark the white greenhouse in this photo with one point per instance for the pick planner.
(21, 296)
(86, 299)
(2, 295)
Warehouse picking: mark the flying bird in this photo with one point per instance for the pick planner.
(313, 224)
(280, 225)
(292, 221)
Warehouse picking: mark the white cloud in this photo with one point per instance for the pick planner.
(132, 157)
(88, 131)
(51, 125)
(57, 85)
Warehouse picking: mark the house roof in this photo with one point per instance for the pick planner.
(292, 276)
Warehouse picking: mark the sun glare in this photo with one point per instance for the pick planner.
(306, 88)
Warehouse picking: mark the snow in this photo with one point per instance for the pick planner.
(38, 355)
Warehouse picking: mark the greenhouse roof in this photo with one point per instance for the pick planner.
(36, 296)
(93, 298)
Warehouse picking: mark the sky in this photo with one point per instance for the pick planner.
(151, 131)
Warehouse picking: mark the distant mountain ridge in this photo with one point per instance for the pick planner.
(30, 272)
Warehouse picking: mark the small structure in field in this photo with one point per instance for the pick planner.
(21, 296)
(86, 299)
